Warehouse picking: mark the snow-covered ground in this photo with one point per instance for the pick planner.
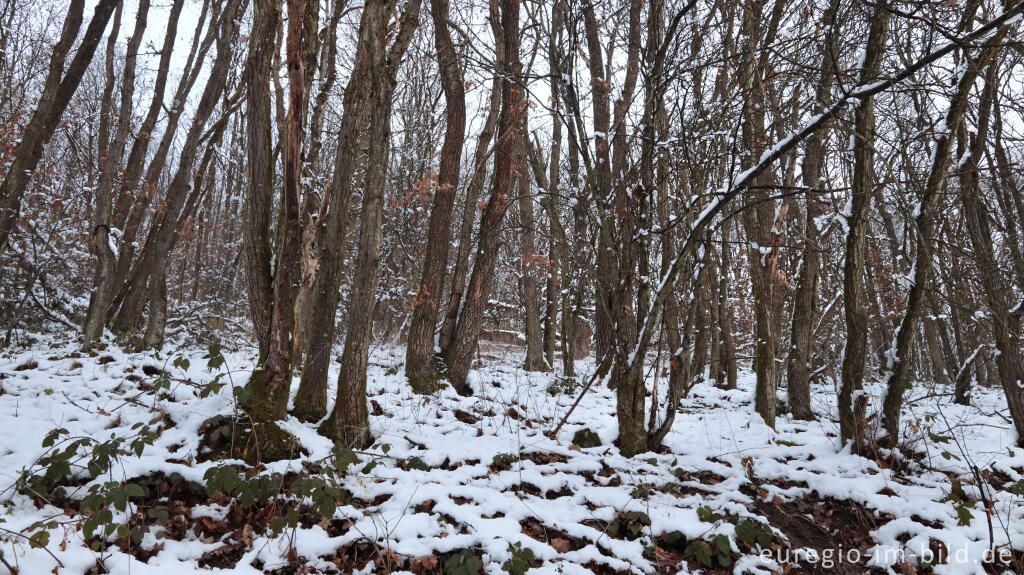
(451, 473)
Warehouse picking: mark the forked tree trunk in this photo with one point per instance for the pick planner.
(459, 355)
(899, 360)
(420, 365)
(269, 384)
(311, 399)
(349, 423)
(106, 261)
(313, 230)
(476, 184)
(1007, 317)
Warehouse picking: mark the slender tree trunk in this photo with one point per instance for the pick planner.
(805, 300)
(349, 423)
(256, 248)
(311, 399)
(1007, 319)
(727, 367)
(476, 184)
(459, 355)
(419, 357)
(313, 229)
(758, 220)
(852, 401)
(106, 261)
(898, 360)
(531, 301)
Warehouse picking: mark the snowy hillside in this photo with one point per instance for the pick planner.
(457, 484)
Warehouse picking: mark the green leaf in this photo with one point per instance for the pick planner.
(463, 562)
(701, 551)
(521, 560)
(1018, 488)
(159, 513)
(344, 457)
(135, 490)
(417, 463)
(707, 514)
(52, 436)
(751, 532)
(964, 515)
(39, 539)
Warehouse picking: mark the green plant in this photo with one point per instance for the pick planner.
(463, 562)
(504, 461)
(88, 458)
(753, 532)
(629, 525)
(563, 386)
(586, 438)
(521, 560)
(708, 553)
(708, 515)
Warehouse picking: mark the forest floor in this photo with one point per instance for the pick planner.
(102, 471)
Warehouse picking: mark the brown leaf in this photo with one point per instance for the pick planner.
(561, 544)
(666, 556)
(425, 564)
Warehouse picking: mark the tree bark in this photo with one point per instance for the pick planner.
(805, 299)
(459, 354)
(898, 357)
(852, 401)
(349, 423)
(311, 399)
(476, 184)
(106, 261)
(531, 301)
(419, 358)
(256, 250)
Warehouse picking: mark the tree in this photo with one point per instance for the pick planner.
(419, 358)
(348, 423)
(62, 80)
(852, 402)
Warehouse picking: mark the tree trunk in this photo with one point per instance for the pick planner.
(256, 248)
(899, 364)
(758, 220)
(419, 359)
(459, 354)
(805, 300)
(311, 399)
(476, 183)
(349, 422)
(534, 360)
(106, 261)
(1006, 319)
(852, 401)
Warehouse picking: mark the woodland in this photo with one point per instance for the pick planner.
(510, 286)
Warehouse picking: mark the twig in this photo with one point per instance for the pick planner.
(26, 537)
(600, 369)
